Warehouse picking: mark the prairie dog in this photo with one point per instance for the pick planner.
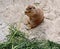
(35, 15)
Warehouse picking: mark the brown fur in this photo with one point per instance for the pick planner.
(35, 15)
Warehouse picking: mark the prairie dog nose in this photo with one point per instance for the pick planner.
(26, 11)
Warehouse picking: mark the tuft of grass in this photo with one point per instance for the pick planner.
(17, 40)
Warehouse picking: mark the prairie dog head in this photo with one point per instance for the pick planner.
(30, 10)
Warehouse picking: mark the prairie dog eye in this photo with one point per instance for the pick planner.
(30, 8)
(33, 7)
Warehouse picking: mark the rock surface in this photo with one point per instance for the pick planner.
(12, 12)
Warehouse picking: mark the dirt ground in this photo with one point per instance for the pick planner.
(12, 12)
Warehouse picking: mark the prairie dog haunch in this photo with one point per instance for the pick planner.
(35, 15)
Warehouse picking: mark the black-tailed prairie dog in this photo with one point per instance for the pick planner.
(35, 16)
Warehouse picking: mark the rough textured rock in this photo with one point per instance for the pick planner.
(12, 12)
